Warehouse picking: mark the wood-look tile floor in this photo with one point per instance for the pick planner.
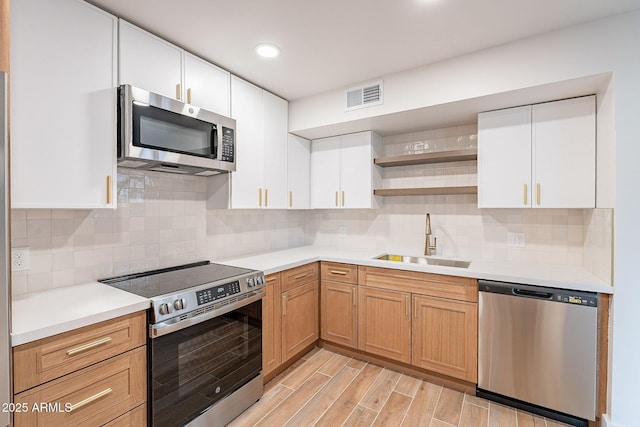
(329, 389)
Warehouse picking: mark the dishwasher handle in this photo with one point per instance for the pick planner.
(532, 294)
(518, 290)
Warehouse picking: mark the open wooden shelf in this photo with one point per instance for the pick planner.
(426, 158)
(430, 191)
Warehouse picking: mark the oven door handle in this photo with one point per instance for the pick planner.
(175, 324)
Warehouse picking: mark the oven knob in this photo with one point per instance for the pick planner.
(260, 280)
(250, 282)
(180, 304)
(164, 309)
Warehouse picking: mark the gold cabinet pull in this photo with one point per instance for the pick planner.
(538, 194)
(355, 299)
(260, 197)
(300, 276)
(284, 305)
(343, 199)
(266, 197)
(524, 195)
(336, 199)
(108, 189)
(290, 199)
(90, 399)
(178, 91)
(415, 307)
(271, 279)
(88, 346)
(189, 96)
(341, 273)
(406, 306)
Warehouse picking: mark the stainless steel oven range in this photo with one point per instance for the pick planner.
(204, 342)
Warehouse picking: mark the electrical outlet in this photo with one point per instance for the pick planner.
(516, 240)
(20, 259)
(342, 231)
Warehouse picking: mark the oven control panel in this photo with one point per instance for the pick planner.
(168, 306)
(217, 292)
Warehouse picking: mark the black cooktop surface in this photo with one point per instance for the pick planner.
(173, 279)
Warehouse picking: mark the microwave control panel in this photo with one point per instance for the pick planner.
(227, 154)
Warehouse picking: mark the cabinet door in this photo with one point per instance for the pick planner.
(150, 63)
(384, 323)
(445, 337)
(63, 105)
(504, 158)
(356, 164)
(298, 165)
(339, 315)
(299, 319)
(325, 173)
(246, 181)
(271, 325)
(564, 153)
(206, 85)
(275, 113)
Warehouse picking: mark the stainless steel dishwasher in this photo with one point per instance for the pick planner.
(537, 349)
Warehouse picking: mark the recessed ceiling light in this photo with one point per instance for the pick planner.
(267, 50)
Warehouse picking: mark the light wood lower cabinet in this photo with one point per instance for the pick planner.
(299, 319)
(444, 335)
(427, 320)
(271, 325)
(339, 313)
(49, 358)
(135, 418)
(85, 377)
(384, 323)
(91, 396)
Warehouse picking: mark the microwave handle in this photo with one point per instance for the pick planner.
(214, 138)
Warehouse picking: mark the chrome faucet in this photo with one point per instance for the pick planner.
(430, 239)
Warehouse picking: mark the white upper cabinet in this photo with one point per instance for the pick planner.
(540, 156)
(153, 64)
(325, 173)
(504, 158)
(206, 85)
(260, 179)
(63, 105)
(564, 153)
(298, 175)
(275, 116)
(148, 62)
(342, 171)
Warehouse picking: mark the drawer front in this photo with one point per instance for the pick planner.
(298, 276)
(436, 285)
(92, 396)
(44, 360)
(337, 272)
(134, 418)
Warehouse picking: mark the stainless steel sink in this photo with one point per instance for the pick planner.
(426, 260)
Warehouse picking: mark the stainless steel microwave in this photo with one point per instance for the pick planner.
(161, 134)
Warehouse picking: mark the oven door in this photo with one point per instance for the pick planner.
(193, 368)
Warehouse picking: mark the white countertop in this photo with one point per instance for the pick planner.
(555, 276)
(43, 314)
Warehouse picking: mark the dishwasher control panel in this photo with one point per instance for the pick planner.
(578, 299)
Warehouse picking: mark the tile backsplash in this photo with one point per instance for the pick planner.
(162, 220)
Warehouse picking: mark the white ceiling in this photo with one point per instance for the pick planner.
(331, 44)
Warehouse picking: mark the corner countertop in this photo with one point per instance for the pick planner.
(554, 276)
(43, 314)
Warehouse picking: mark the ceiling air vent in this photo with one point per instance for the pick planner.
(363, 96)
